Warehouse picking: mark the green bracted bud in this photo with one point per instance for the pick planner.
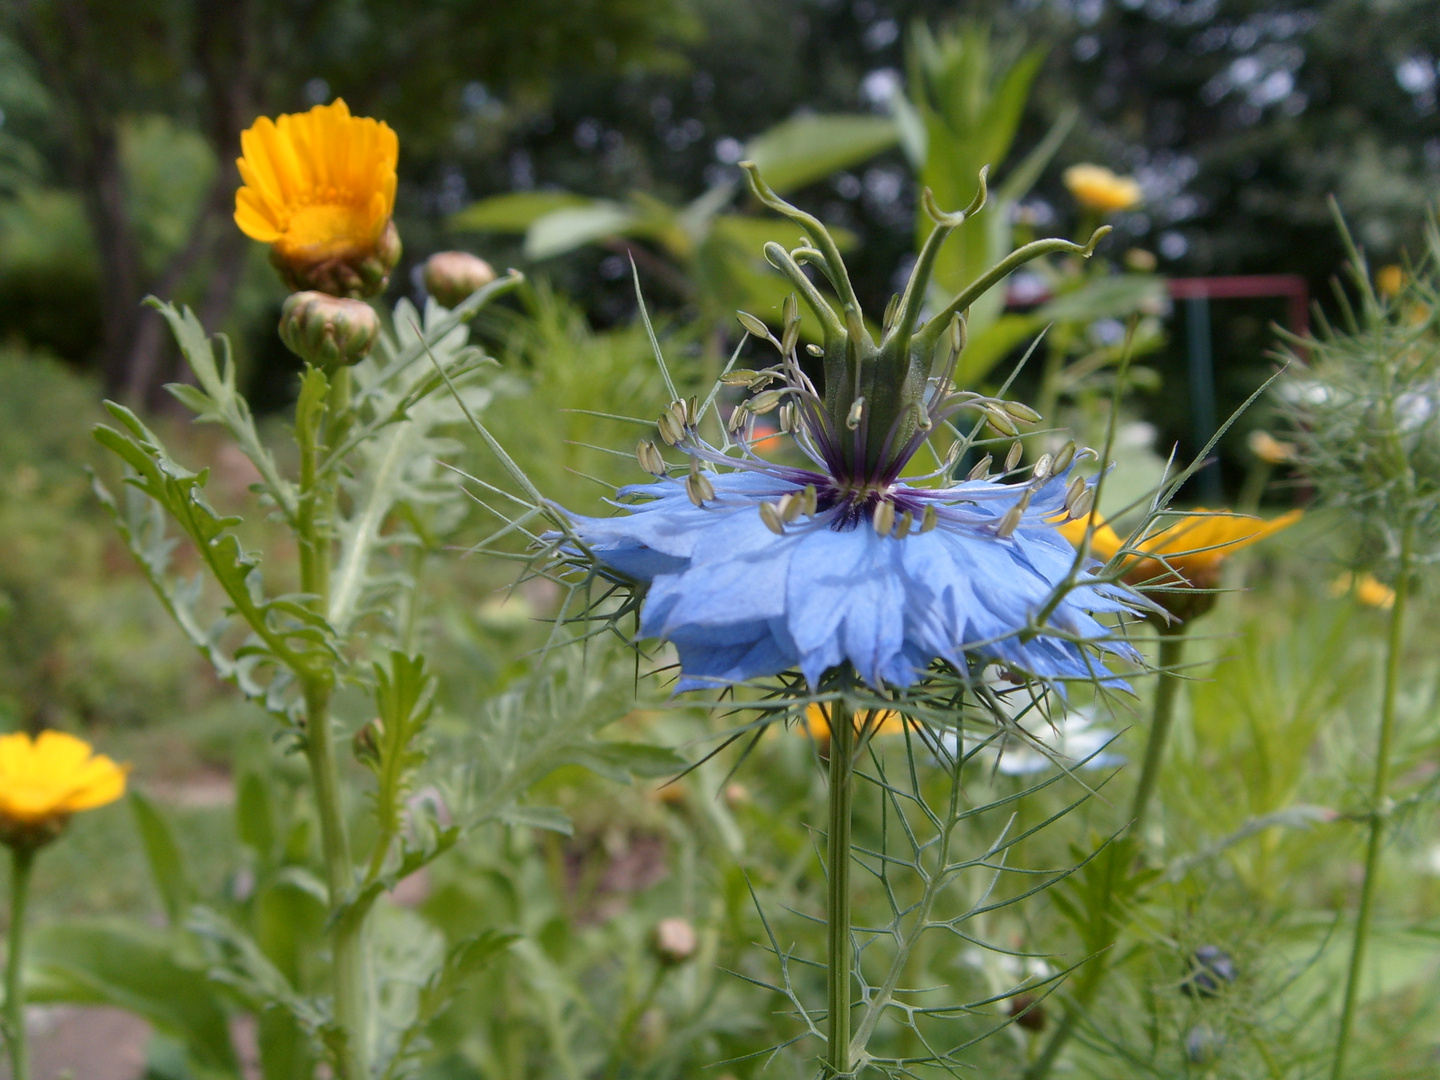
(353, 273)
(452, 276)
(365, 743)
(327, 331)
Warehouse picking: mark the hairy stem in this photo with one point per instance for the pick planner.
(1379, 796)
(839, 954)
(1092, 978)
(314, 526)
(21, 860)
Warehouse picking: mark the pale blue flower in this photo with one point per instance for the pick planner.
(752, 568)
(740, 602)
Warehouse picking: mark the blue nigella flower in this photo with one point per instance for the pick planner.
(768, 567)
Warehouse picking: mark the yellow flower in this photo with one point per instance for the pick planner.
(1368, 590)
(1097, 188)
(1193, 550)
(1389, 280)
(320, 190)
(45, 780)
(1270, 449)
(816, 722)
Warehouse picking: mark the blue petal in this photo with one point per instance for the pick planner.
(740, 602)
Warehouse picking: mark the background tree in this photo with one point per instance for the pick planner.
(211, 67)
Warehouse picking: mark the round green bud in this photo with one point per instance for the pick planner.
(452, 276)
(328, 331)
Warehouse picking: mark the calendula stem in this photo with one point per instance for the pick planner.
(839, 954)
(1379, 796)
(21, 861)
(1172, 649)
(347, 942)
(1088, 983)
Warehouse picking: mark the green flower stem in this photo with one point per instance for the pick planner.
(21, 861)
(839, 954)
(317, 499)
(621, 1049)
(1379, 797)
(1172, 650)
(1088, 983)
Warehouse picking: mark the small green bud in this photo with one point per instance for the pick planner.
(366, 742)
(452, 276)
(328, 331)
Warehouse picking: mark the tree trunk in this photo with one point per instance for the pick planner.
(62, 39)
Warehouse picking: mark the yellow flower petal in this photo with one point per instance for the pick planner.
(1193, 547)
(1368, 590)
(319, 184)
(51, 777)
(816, 722)
(1097, 188)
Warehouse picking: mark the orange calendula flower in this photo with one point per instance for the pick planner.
(1097, 188)
(1368, 590)
(817, 722)
(1192, 551)
(320, 190)
(45, 780)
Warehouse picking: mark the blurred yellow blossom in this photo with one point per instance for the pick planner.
(46, 779)
(320, 189)
(1270, 449)
(816, 722)
(1368, 589)
(1389, 280)
(1097, 188)
(1192, 551)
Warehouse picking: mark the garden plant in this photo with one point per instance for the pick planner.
(850, 694)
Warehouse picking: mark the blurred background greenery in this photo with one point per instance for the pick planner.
(118, 126)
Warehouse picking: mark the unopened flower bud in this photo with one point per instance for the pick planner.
(328, 331)
(349, 270)
(366, 742)
(452, 276)
(1210, 970)
(1028, 1012)
(675, 941)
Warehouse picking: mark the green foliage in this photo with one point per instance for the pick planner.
(968, 95)
(1361, 403)
(717, 252)
(141, 970)
(806, 148)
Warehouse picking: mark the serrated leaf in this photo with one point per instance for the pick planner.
(240, 964)
(404, 696)
(217, 400)
(180, 493)
(465, 959)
